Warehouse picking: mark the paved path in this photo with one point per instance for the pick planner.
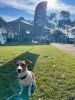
(65, 47)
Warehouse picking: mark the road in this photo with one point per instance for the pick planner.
(65, 47)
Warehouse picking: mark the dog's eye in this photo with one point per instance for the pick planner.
(23, 65)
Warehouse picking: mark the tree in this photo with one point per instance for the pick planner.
(2, 22)
(64, 19)
(52, 22)
(64, 24)
(65, 15)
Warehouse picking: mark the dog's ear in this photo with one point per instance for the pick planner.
(28, 61)
(15, 61)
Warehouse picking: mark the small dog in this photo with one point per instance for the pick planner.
(25, 77)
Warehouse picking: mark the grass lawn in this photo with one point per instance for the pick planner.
(54, 71)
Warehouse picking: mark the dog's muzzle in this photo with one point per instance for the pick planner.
(19, 69)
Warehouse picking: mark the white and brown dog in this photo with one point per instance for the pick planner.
(25, 77)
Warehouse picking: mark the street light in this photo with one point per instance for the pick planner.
(16, 33)
(27, 35)
(27, 32)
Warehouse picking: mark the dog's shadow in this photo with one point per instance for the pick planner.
(8, 81)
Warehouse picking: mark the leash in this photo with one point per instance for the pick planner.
(11, 97)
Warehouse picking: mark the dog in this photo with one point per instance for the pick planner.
(25, 77)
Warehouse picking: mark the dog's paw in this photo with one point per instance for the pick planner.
(29, 95)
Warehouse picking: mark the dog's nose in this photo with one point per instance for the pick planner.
(19, 70)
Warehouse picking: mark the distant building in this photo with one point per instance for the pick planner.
(58, 37)
(6, 36)
(3, 35)
(71, 38)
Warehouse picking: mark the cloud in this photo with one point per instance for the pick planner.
(69, 8)
(19, 4)
(30, 5)
(58, 6)
(8, 18)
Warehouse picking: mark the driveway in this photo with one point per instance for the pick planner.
(65, 47)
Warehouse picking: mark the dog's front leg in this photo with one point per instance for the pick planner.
(21, 89)
(34, 82)
(29, 91)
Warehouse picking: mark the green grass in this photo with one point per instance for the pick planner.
(54, 71)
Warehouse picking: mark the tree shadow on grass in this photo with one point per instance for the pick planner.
(8, 81)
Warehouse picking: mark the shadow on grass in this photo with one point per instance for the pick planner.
(8, 81)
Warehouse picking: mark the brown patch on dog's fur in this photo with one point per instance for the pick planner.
(28, 61)
(20, 63)
(23, 63)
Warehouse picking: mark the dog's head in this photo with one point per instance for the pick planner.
(22, 65)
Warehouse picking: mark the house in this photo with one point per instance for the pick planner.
(10, 36)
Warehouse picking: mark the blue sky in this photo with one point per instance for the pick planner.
(13, 9)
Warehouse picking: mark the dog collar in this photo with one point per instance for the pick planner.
(23, 77)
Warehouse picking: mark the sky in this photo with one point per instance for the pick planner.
(13, 9)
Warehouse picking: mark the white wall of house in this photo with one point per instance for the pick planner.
(10, 35)
(2, 36)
